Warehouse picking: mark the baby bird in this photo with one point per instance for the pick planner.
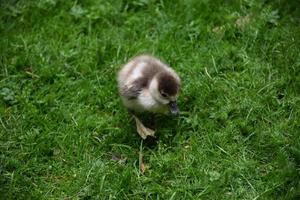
(147, 84)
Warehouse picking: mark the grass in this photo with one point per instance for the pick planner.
(65, 135)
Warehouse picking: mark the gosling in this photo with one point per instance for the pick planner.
(147, 84)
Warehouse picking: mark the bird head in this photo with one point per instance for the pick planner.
(164, 87)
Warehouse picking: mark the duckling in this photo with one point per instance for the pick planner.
(146, 84)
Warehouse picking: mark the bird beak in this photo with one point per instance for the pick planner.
(173, 108)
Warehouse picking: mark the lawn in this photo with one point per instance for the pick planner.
(64, 133)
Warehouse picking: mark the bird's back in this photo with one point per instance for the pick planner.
(142, 68)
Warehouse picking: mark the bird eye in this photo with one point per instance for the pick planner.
(164, 95)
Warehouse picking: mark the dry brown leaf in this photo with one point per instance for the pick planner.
(142, 168)
(141, 160)
(142, 130)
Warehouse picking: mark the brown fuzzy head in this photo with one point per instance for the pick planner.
(165, 88)
(168, 84)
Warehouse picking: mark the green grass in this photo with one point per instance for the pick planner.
(61, 121)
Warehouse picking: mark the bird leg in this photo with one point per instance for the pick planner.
(142, 130)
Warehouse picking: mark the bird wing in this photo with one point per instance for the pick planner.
(132, 90)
